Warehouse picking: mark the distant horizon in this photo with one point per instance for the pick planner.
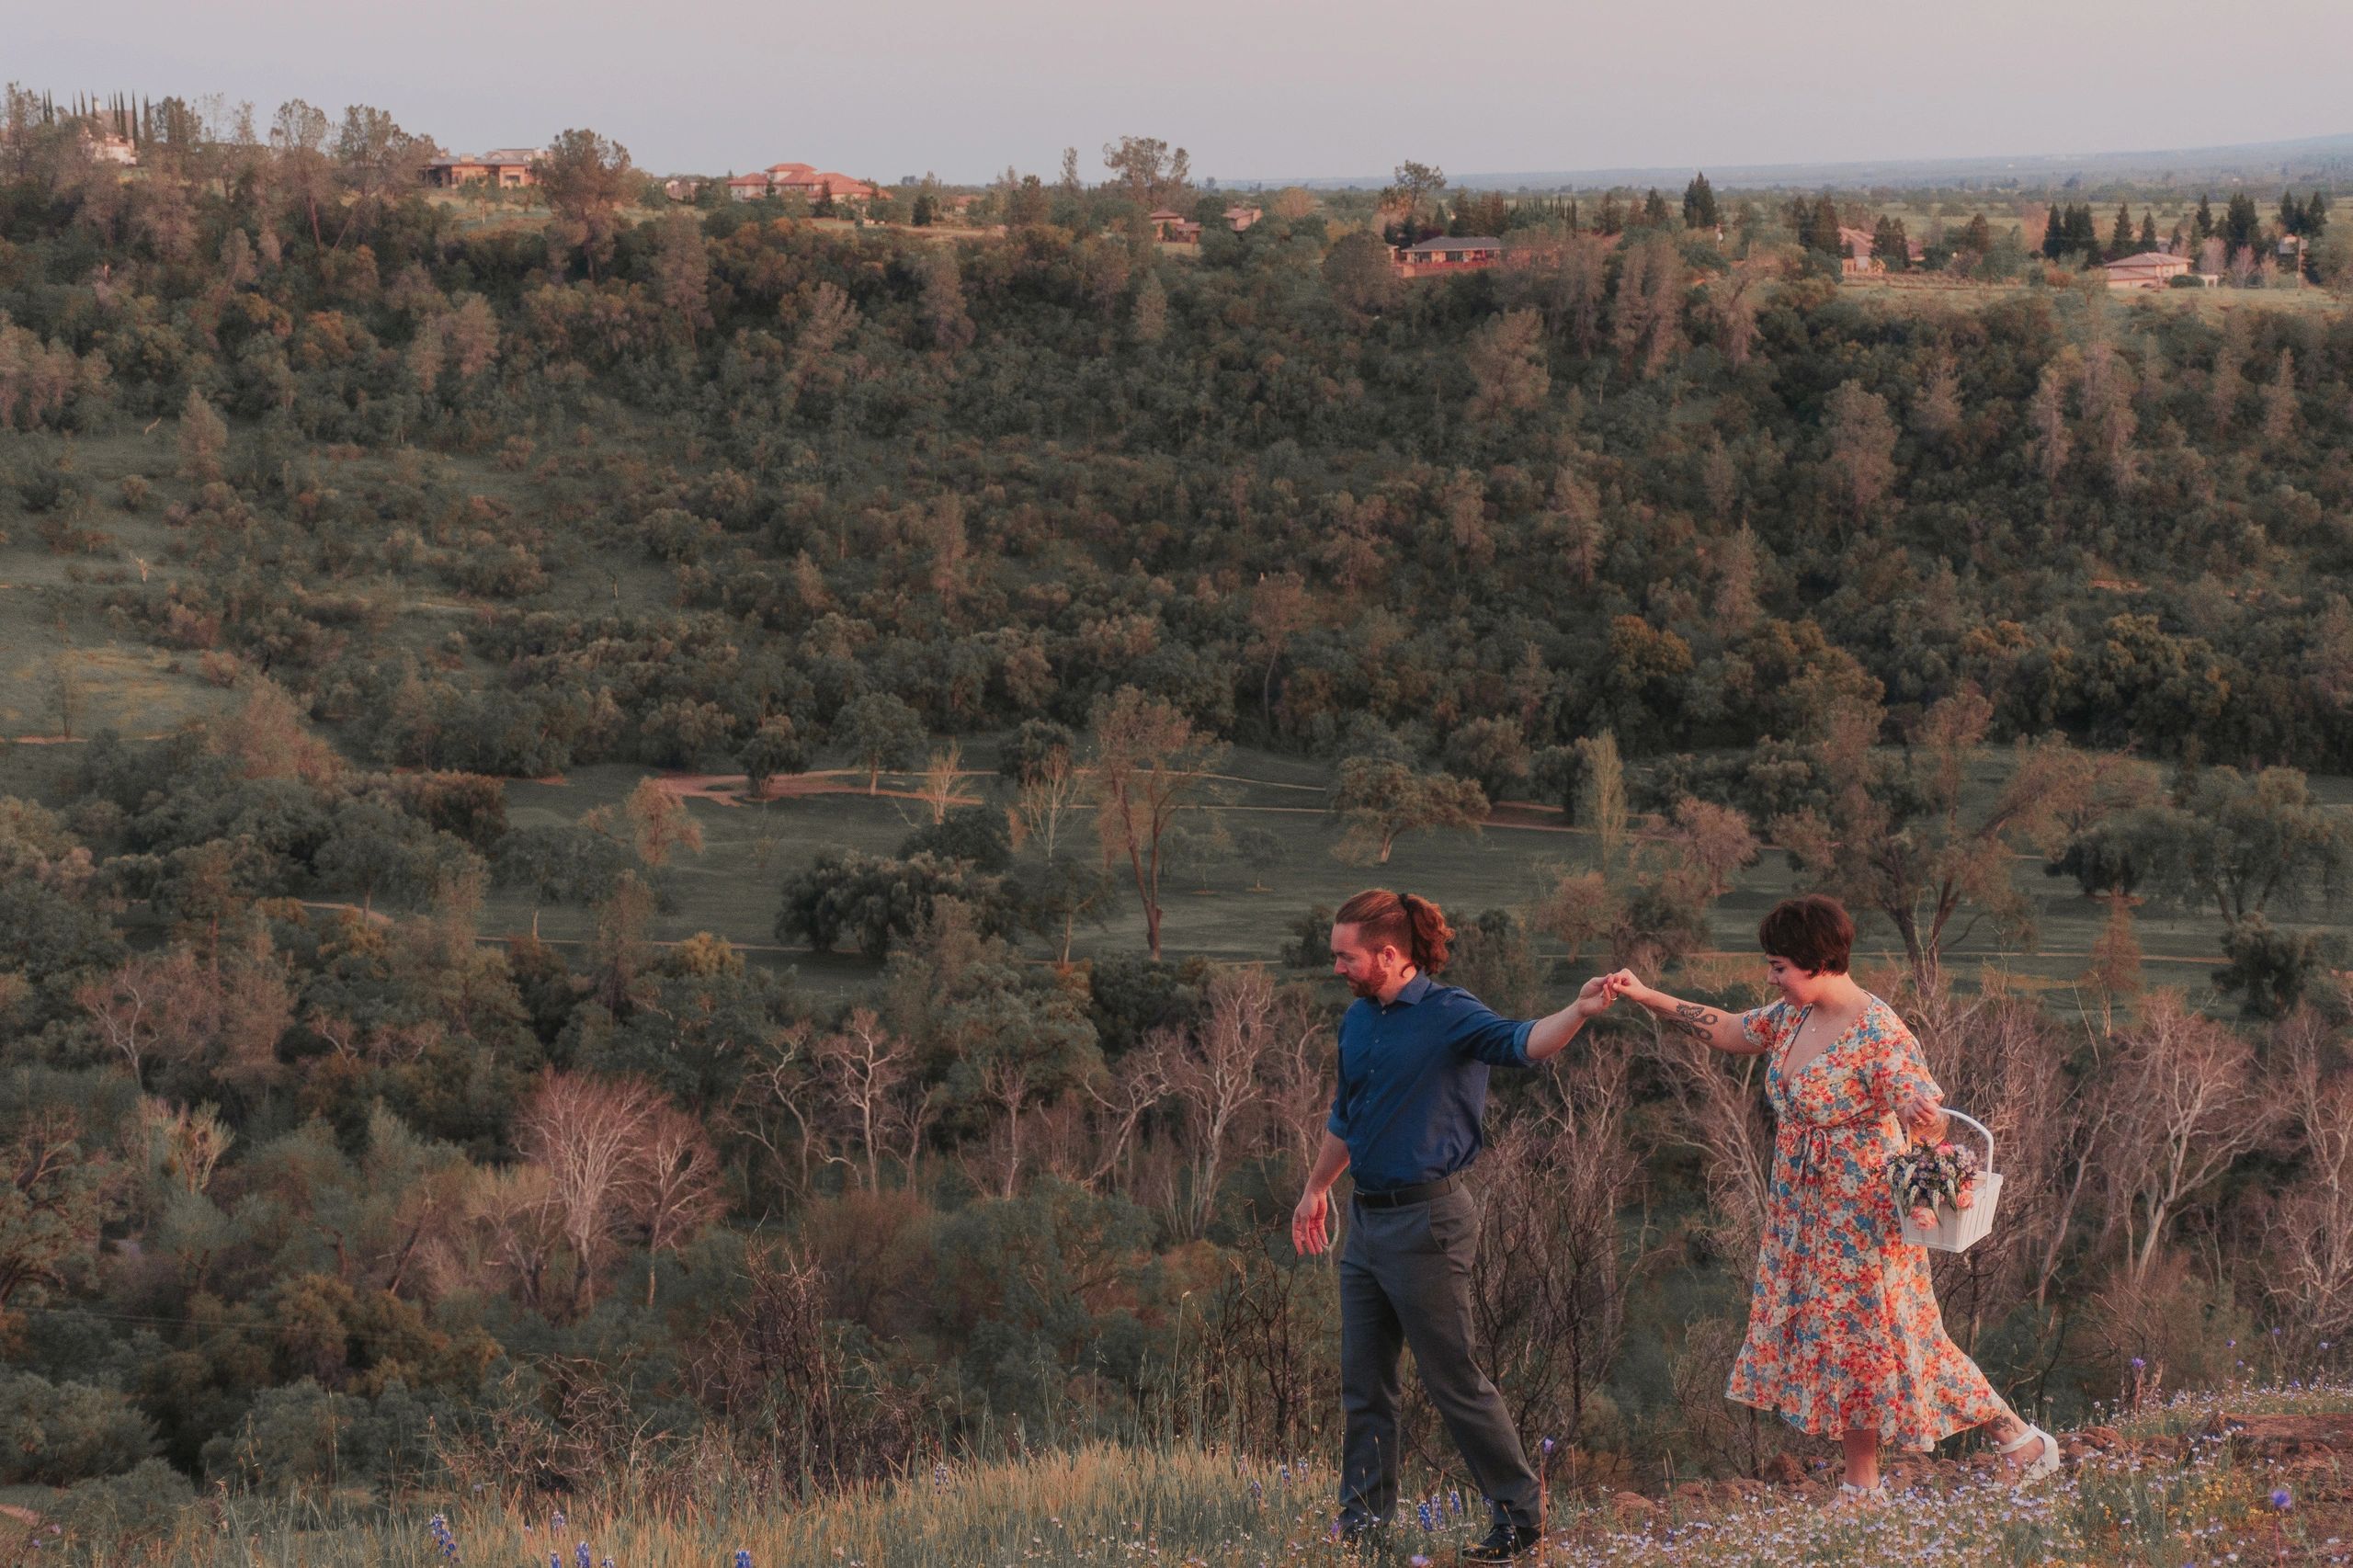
(916, 86)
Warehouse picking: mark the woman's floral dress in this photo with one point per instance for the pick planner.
(1844, 1332)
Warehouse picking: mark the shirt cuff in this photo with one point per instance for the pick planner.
(1520, 1041)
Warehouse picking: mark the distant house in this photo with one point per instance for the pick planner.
(2149, 269)
(1448, 253)
(799, 179)
(110, 148)
(683, 188)
(508, 168)
(1855, 257)
(1174, 226)
(1239, 218)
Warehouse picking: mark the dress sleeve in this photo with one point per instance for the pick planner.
(1761, 1027)
(1898, 1070)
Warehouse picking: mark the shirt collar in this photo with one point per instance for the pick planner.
(1415, 989)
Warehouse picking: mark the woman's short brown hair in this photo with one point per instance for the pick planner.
(1815, 932)
(1415, 926)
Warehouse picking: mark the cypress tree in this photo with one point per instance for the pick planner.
(2148, 232)
(2054, 233)
(2315, 214)
(1655, 208)
(2205, 227)
(1825, 226)
(2119, 239)
(2292, 213)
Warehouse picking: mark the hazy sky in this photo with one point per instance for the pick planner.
(1255, 88)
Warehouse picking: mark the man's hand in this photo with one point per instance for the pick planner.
(1595, 996)
(1310, 1224)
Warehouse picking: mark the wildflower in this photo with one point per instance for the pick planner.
(554, 1561)
(2138, 1363)
(583, 1558)
(2281, 1499)
(743, 1557)
(556, 1524)
(1417, 1560)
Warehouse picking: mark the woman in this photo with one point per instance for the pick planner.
(1845, 1339)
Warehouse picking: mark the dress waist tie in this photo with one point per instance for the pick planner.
(1816, 1147)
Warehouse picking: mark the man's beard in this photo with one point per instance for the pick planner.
(1368, 989)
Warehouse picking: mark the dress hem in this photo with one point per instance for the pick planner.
(1910, 1441)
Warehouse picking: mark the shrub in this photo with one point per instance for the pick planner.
(143, 1501)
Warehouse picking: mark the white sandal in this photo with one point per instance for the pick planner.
(1853, 1496)
(2044, 1463)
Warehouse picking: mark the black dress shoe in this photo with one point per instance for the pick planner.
(1507, 1542)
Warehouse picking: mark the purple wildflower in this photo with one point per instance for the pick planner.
(2281, 1499)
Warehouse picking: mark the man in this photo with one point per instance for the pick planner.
(1405, 1119)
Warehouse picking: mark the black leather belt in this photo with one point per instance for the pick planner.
(1420, 1192)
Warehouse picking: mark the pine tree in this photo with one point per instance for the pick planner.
(1573, 214)
(2054, 233)
(2148, 232)
(1825, 226)
(2239, 221)
(2292, 213)
(1655, 209)
(2120, 238)
(2205, 227)
(1890, 244)
(1700, 203)
(2315, 215)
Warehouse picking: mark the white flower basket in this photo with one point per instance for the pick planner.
(1958, 1230)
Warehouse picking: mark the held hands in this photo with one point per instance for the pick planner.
(1621, 982)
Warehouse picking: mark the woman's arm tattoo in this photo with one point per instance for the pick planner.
(1695, 1020)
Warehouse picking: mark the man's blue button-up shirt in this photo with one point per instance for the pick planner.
(1413, 1087)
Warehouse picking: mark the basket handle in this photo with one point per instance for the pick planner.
(1982, 1132)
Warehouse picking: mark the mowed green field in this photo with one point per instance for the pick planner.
(1239, 913)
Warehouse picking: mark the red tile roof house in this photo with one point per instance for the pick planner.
(1241, 218)
(801, 179)
(1174, 226)
(508, 168)
(1449, 253)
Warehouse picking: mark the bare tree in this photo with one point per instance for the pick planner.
(1148, 767)
(2306, 1259)
(939, 789)
(868, 1074)
(2186, 1101)
(673, 1190)
(589, 1134)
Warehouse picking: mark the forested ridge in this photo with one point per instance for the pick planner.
(1661, 529)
